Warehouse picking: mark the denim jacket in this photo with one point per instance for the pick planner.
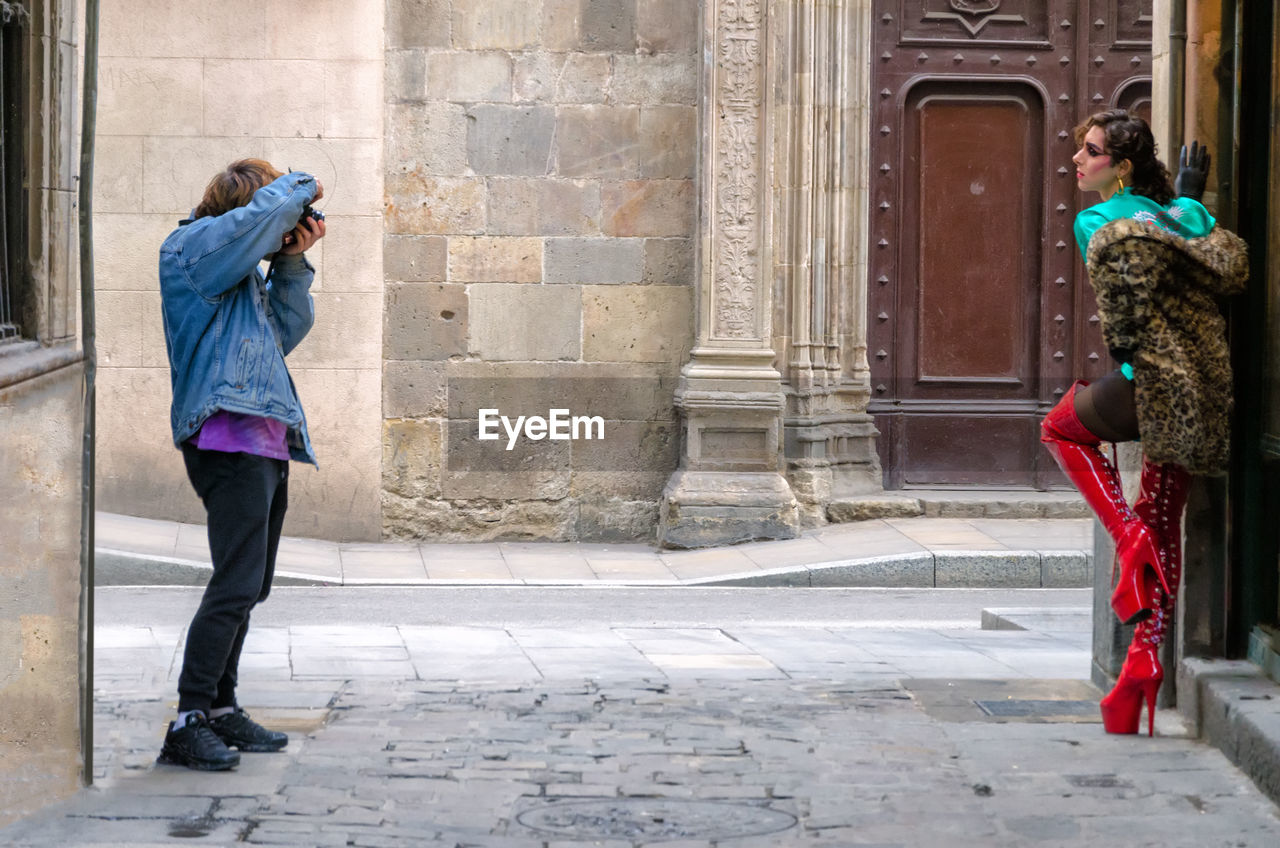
(226, 328)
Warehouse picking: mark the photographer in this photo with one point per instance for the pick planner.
(237, 419)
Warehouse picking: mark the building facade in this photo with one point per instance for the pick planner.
(41, 658)
(729, 232)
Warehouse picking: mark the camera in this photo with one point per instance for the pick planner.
(314, 214)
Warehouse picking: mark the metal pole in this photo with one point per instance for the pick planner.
(88, 327)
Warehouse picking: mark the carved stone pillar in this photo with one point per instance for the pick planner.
(821, 74)
(729, 487)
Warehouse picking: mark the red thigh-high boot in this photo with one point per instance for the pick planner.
(1160, 505)
(1076, 451)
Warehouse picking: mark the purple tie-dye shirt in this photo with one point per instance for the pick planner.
(234, 432)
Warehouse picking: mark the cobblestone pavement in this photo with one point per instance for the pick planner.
(733, 736)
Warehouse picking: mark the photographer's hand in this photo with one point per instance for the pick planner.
(308, 232)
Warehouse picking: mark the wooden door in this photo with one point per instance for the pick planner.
(980, 313)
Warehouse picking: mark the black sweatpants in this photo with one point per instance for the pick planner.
(245, 497)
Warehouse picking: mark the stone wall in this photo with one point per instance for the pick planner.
(539, 254)
(40, 437)
(183, 90)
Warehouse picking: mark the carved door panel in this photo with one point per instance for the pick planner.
(980, 312)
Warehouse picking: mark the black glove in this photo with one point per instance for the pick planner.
(1193, 170)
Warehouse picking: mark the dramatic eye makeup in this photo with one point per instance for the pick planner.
(1093, 149)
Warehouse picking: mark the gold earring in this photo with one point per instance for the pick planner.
(1121, 179)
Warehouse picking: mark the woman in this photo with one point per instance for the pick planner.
(1156, 263)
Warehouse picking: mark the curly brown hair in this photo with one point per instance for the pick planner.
(235, 186)
(1129, 137)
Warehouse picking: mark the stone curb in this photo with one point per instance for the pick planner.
(1006, 569)
(125, 568)
(1233, 706)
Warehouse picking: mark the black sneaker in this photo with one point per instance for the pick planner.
(237, 730)
(196, 746)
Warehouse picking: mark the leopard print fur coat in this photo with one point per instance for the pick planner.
(1157, 297)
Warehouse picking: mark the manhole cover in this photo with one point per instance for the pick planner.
(654, 819)
(1037, 707)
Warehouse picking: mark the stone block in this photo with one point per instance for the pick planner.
(521, 322)
(617, 520)
(484, 520)
(236, 92)
(183, 30)
(339, 502)
(350, 169)
(425, 321)
(405, 76)
(144, 96)
(510, 140)
(418, 23)
(597, 141)
(560, 24)
(120, 319)
(175, 170)
(349, 29)
(427, 139)
(138, 470)
(154, 352)
(669, 261)
(563, 77)
(530, 470)
(648, 208)
(497, 25)
(412, 458)
(350, 254)
(413, 389)
(353, 99)
(126, 247)
(495, 259)
(346, 333)
(871, 507)
(414, 259)
(986, 570)
(668, 142)
(543, 207)
(650, 80)
(1065, 570)
(910, 570)
(607, 26)
(637, 323)
(618, 391)
(594, 260)
(422, 205)
(468, 77)
(667, 25)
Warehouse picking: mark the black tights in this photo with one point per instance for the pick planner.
(1106, 407)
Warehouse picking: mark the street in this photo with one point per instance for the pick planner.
(625, 717)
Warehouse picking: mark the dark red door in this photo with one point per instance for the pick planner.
(980, 313)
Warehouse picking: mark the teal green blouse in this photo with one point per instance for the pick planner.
(1183, 217)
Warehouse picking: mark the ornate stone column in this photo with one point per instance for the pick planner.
(821, 74)
(729, 487)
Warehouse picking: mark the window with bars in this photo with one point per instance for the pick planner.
(14, 280)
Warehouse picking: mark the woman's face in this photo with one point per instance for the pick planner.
(1094, 171)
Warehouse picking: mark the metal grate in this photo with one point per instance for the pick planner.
(1022, 707)
(13, 21)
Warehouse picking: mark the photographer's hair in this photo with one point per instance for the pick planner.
(1129, 137)
(235, 186)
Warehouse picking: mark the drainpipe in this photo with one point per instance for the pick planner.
(1191, 61)
(1176, 127)
(88, 328)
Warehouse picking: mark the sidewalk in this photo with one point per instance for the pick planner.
(916, 552)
